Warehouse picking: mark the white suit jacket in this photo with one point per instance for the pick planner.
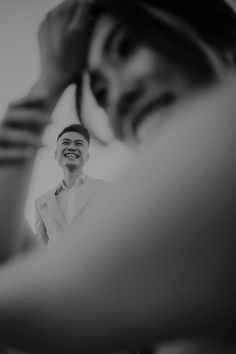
(50, 224)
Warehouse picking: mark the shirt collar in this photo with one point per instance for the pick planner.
(62, 185)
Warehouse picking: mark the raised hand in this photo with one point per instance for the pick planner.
(62, 43)
(20, 137)
(21, 129)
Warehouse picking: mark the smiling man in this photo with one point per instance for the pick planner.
(57, 209)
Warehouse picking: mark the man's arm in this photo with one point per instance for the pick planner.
(29, 241)
(40, 229)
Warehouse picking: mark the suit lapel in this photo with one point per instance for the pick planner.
(89, 188)
(55, 208)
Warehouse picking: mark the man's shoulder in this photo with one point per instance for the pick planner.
(99, 182)
(102, 186)
(43, 197)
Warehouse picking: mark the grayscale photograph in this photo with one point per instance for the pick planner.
(117, 176)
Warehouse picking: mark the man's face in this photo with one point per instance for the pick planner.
(72, 150)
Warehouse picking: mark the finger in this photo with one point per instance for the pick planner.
(60, 8)
(26, 119)
(16, 156)
(79, 27)
(81, 14)
(63, 14)
(44, 29)
(39, 102)
(10, 137)
(60, 11)
(53, 27)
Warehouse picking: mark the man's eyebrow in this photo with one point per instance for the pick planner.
(75, 141)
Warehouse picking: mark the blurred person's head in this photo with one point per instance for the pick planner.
(72, 147)
(145, 56)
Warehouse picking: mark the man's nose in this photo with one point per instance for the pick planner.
(71, 146)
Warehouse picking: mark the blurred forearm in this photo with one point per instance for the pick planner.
(50, 87)
(20, 137)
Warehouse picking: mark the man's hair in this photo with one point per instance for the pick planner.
(78, 128)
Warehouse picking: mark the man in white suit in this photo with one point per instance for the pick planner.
(56, 209)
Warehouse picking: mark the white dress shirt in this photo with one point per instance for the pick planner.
(67, 197)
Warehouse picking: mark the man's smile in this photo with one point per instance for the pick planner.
(71, 155)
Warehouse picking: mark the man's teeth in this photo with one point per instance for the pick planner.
(71, 155)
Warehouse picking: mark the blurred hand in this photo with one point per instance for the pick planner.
(21, 130)
(62, 43)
